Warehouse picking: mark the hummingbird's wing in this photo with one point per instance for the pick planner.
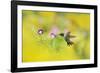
(72, 36)
(68, 37)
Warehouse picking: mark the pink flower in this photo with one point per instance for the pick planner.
(53, 32)
(40, 31)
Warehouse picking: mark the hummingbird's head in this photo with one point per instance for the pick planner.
(61, 34)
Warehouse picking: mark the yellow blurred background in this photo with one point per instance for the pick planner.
(42, 47)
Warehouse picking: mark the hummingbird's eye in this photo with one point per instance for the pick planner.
(40, 31)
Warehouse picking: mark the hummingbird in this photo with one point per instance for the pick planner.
(67, 37)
